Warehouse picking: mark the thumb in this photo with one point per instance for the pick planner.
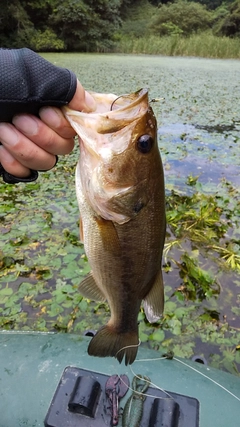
(82, 100)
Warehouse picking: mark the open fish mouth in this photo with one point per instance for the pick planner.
(104, 135)
(107, 129)
(110, 103)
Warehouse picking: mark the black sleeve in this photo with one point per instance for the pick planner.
(28, 82)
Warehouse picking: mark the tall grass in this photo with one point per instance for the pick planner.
(202, 45)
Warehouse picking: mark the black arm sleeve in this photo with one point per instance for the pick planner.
(29, 82)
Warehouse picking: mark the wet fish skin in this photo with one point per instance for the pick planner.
(120, 191)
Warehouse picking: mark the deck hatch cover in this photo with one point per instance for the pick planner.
(80, 400)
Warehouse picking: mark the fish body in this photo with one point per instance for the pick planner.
(120, 192)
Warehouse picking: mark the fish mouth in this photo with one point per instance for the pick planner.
(107, 129)
(111, 103)
(103, 135)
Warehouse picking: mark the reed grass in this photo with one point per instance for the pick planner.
(202, 45)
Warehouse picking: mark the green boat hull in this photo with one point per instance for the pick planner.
(31, 365)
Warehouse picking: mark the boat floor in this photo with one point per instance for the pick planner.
(31, 365)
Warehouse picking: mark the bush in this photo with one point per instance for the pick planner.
(46, 41)
(168, 29)
(137, 19)
(189, 17)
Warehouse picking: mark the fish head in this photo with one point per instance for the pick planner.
(118, 153)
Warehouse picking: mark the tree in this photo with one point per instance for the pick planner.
(187, 17)
(136, 19)
(52, 25)
(39, 12)
(213, 4)
(16, 27)
(230, 25)
(86, 25)
(25, 24)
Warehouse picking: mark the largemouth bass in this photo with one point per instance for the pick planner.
(120, 192)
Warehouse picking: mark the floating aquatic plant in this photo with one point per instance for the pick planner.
(42, 261)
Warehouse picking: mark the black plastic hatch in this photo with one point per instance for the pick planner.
(80, 400)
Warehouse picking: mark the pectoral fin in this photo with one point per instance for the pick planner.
(89, 289)
(109, 236)
(81, 231)
(154, 301)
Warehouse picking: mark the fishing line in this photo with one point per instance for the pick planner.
(177, 360)
(210, 379)
(134, 374)
(150, 360)
(194, 369)
(150, 383)
(128, 346)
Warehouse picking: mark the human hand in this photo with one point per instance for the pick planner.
(30, 142)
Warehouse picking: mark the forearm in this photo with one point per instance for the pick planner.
(29, 82)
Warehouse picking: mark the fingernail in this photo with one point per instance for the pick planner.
(51, 115)
(8, 134)
(28, 125)
(90, 102)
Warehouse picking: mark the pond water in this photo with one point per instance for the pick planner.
(198, 114)
(198, 111)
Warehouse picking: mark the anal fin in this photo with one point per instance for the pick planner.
(154, 300)
(89, 289)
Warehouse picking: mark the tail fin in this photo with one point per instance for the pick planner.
(108, 342)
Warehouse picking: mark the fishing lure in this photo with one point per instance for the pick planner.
(116, 387)
(133, 410)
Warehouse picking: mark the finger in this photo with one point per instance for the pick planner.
(42, 135)
(54, 119)
(24, 150)
(82, 100)
(11, 165)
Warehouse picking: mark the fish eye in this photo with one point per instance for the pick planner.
(145, 143)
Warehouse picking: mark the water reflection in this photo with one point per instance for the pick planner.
(207, 151)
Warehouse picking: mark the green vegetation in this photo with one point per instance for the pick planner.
(42, 261)
(181, 18)
(182, 28)
(188, 28)
(40, 267)
(195, 223)
(50, 25)
(202, 45)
